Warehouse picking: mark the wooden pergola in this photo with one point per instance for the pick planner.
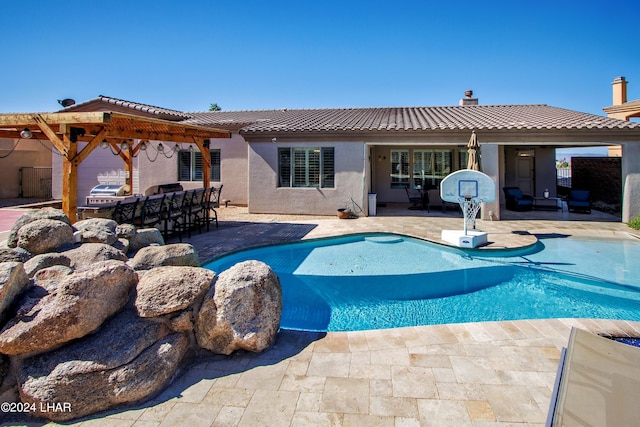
(66, 130)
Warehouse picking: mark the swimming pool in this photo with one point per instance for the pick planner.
(375, 281)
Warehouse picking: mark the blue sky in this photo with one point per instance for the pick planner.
(307, 54)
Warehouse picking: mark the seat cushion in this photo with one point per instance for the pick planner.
(514, 192)
(580, 196)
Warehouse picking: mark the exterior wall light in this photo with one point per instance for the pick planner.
(26, 133)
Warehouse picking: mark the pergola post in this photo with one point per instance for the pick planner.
(69, 176)
(128, 168)
(203, 146)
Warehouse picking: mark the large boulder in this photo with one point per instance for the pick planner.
(44, 235)
(75, 307)
(30, 216)
(242, 310)
(14, 254)
(126, 231)
(165, 290)
(49, 277)
(97, 230)
(145, 237)
(180, 254)
(41, 261)
(85, 256)
(13, 279)
(128, 359)
(8, 382)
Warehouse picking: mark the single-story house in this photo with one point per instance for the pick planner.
(312, 161)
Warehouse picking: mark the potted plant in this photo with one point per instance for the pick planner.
(344, 213)
(350, 211)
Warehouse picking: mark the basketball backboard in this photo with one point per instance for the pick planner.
(467, 183)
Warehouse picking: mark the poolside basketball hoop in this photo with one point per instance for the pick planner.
(470, 207)
(470, 189)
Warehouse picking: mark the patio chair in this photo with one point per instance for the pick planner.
(516, 201)
(418, 199)
(125, 212)
(174, 215)
(194, 212)
(152, 212)
(579, 201)
(211, 201)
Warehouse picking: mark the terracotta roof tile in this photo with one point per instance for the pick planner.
(489, 117)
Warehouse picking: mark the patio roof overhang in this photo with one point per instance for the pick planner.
(65, 130)
(553, 137)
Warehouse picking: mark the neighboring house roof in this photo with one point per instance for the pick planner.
(630, 109)
(109, 103)
(476, 117)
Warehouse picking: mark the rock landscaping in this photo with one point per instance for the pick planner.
(95, 315)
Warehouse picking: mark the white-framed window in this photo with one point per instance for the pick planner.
(399, 168)
(306, 167)
(190, 165)
(430, 167)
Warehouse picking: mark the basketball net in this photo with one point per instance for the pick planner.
(470, 207)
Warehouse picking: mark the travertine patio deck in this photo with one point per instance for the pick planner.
(475, 374)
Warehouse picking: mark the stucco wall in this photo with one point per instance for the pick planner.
(161, 170)
(233, 168)
(545, 165)
(26, 153)
(100, 167)
(630, 181)
(266, 197)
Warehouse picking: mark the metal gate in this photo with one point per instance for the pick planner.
(35, 182)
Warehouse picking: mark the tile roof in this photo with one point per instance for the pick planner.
(149, 109)
(478, 117)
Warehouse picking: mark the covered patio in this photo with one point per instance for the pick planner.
(75, 135)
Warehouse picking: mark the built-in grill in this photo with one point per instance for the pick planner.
(107, 193)
(169, 188)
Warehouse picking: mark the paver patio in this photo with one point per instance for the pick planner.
(475, 374)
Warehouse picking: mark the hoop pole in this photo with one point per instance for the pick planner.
(469, 210)
(466, 210)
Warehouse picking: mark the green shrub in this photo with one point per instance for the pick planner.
(635, 223)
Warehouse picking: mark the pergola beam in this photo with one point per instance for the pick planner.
(51, 135)
(186, 138)
(92, 145)
(26, 119)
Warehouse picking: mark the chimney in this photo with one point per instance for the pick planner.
(468, 98)
(619, 90)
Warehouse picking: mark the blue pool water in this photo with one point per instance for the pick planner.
(376, 281)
